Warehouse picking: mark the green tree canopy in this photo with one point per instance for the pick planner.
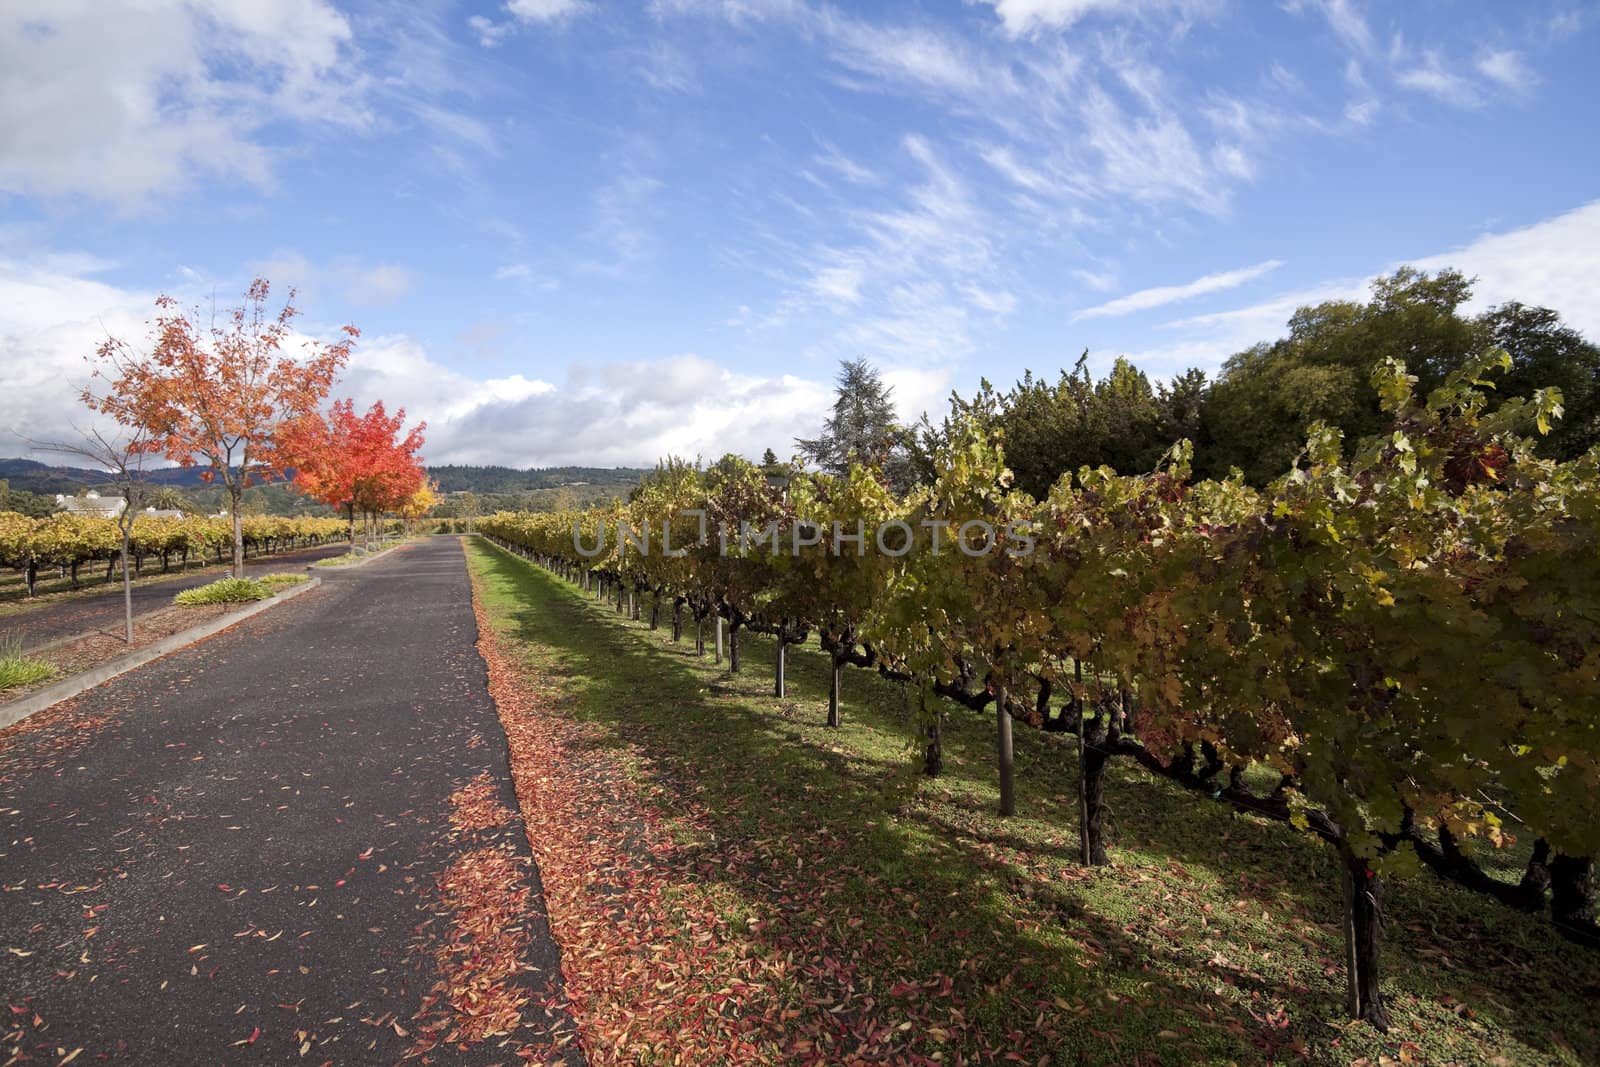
(862, 429)
(1257, 413)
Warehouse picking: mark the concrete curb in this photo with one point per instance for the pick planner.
(16, 710)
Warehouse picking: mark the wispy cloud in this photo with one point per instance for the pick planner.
(622, 210)
(1145, 299)
(491, 33)
(1506, 67)
(1028, 16)
(831, 159)
(1431, 76)
(546, 10)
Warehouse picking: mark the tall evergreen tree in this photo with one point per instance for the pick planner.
(862, 428)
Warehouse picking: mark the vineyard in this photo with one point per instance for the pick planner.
(67, 542)
(1392, 648)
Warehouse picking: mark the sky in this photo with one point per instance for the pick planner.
(597, 233)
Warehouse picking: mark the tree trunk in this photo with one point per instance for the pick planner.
(655, 611)
(1535, 882)
(1363, 908)
(1092, 761)
(127, 591)
(733, 650)
(1004, 754)
(699, 636)
(932, 747)
(835, 677)
(779, 688)
(234, 493)
(677, 622)
(350, 512)
(719, 638)
(33, 578)
(1572, 894)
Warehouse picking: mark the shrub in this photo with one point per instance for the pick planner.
(17, 669)
(225, 591)
(277, 581)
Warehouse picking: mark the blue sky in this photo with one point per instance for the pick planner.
(574, 231)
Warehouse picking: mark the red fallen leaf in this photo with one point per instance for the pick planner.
(249, 1040)
(224, 887)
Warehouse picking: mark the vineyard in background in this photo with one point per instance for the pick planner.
(1395, 645)
(67, 543)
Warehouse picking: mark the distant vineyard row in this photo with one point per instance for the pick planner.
(69, 541)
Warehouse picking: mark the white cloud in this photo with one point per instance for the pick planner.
(520, 13)
(622, 210)
(383, 283)
(1505, 66)
(1432, 77)
(908, 54)
(997, 301)
(1145, 299)
(629, 413)
(1099, 281)
(490, 33)
(128, 101)
(1554, 263)
(51, 321)
(840, 284)
(836, 161)
(1027, 16)
(545, 10)
(665, 67)
(1349, 24)
(346, 279)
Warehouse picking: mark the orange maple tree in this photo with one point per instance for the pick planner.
(219, 391)
(366, 464)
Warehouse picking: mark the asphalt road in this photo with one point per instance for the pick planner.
(51, 621)
(232, 854)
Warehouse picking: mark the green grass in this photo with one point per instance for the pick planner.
(18, 670)
(356, 556)
(224, 591)
(1213, 937)
(238, 590)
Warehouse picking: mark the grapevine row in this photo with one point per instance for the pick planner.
(1406, 631)
(67, 541)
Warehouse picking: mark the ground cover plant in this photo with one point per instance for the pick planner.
(17, 669)
(225, 591)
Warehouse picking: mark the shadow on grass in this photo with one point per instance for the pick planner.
(1212, 939)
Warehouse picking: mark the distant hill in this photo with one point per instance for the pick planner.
(38, 477)
(43, 478)
(460, 479)
(496, 488)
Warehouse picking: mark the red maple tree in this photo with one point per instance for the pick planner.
(366, 464)
(219, 390)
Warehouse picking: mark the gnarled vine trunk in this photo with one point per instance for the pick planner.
(1363, 931)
